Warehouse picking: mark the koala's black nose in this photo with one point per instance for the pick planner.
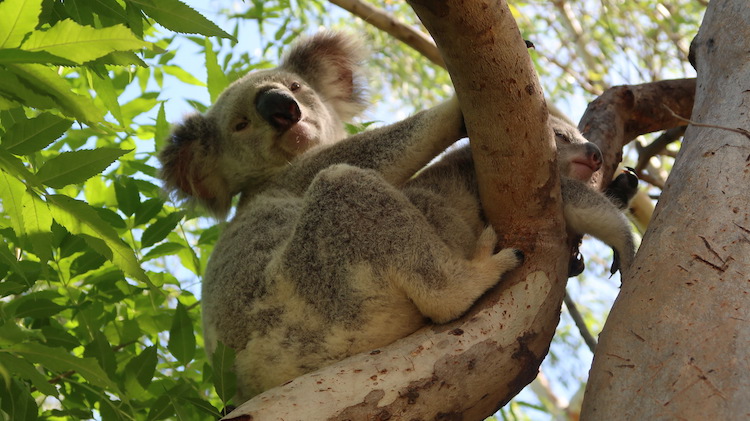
(594, 154)
(278, 108)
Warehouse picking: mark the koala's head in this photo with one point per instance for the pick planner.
(576, 157)
(265, 120)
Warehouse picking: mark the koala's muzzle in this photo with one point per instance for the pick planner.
(278, 108)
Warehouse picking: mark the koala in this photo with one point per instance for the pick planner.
(340, 244)
(586, 211)
(326, 256)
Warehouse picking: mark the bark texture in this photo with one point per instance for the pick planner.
(675, 345)
(469, 368)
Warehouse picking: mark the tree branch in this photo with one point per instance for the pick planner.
(580, 323)
(622, 113)
(390, 25)
(645, 153)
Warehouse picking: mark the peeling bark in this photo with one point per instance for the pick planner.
(675, 345)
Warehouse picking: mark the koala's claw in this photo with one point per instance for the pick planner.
(615, 263)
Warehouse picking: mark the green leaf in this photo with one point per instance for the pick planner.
(105, 91)
(17, 18)
(164, 249)
(79, 218)
(179, 17)
(26, 370)
(216, 79)
(17, 402)
(77, 166)
(80, 44)
(162, 408)
(126, 192)
(40, 308)
(58, 360)
(225, 382)
(16, 88)
(204, 406)
(46, 82)
(160, 229)
(181, 336)
(11, 197)
(34, 134)
(147, 210)
(100, 349)
(37, 221)
(162, 128)
(55, 335)
(183, 75)
(16, 168)
(16, 55)
(143, 366)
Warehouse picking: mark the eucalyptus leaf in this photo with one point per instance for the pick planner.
(181, 337)
(77, 166)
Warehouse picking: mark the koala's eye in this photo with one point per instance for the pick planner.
(295, 86)
(241, 125)
(562, 136)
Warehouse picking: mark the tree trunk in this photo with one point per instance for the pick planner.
(469, 368)
(675, 345)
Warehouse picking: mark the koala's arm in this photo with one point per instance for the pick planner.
(396, 151)
(590, 212)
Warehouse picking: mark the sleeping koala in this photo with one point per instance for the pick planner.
(326, 256)
(335, 248)
(451, 183)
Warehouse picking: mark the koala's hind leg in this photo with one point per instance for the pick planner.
(353, 219)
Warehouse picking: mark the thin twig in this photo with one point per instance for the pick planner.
(580, 323)
(710, 126)
(645, 153)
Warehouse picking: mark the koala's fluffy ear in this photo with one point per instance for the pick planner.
(190, 165)
(330, 61)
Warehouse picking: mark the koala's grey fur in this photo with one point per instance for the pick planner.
(334, 249)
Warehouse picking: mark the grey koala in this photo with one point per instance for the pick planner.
(586, 211)
(326, 256)
(335, 247)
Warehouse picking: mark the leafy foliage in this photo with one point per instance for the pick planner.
(98, 312)
(84, 322)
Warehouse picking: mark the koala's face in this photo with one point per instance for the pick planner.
(263, 121)
(576, 157)
(266, 119)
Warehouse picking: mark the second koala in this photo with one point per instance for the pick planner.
(437, 189)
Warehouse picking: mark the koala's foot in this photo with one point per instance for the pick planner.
(504, 260)
(469, 280)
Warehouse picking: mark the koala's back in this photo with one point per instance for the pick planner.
(290, 299)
